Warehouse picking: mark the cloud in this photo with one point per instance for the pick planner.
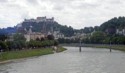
(75, 13)
(1, 1)
(34, 2)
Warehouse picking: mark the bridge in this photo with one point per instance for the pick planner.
(80, 46)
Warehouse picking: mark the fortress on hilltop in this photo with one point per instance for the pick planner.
(40, 19)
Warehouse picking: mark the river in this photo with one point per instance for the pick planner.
(90, 60)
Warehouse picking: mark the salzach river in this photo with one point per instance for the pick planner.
(90, 60)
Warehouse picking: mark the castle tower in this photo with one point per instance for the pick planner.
(44, 29)
(30, 30)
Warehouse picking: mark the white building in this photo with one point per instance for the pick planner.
(120, 32)
(58, 35)
(79, 35)
(33, 35)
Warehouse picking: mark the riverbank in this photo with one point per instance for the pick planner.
(6, 56)
(115, 47)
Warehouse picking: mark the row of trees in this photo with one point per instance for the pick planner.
(97, 37)
(103, 38)
(68, 41)
(19, 43)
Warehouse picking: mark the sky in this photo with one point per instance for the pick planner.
(75, 13)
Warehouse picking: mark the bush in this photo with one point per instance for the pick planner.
(3, 46)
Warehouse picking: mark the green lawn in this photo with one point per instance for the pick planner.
(26, 53)
(61, 49)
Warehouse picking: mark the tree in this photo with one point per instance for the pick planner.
(3, 46)
(37, 39)
(3, 37)
(97, 37)
(42, 39)
(19, 41)
(97, 28)
(50, 37)
(88, 30)
(19, 37)
(10, 45)
(56, 43)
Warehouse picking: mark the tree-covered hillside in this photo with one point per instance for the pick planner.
(48, 27)
(113, 24)
(111, 31)
(109, 26)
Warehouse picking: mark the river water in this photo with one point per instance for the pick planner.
(90, 60)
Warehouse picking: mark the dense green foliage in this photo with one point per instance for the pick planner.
(106, 33)
(3, 46)
(97, 37)
(68, 41)
(19, 48)
(19, 43)
(113, 24)
(103, 38)
(34, 44)
(3, 37)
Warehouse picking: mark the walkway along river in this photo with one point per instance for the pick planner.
(90, 60)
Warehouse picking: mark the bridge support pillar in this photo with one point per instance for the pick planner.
(110, 46)
(110, 50)
(80, 49)
(80, 46)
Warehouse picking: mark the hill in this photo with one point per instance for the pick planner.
(45, 27)
(113, 24)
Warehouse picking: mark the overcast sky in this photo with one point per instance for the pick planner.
(75, 13)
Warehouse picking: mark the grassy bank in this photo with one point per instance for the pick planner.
(26, 53)
(61, 49)
(115, 47)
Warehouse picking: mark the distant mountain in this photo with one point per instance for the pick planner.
(8, 30)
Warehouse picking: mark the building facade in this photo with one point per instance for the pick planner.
(120, 32)
(33, 36)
